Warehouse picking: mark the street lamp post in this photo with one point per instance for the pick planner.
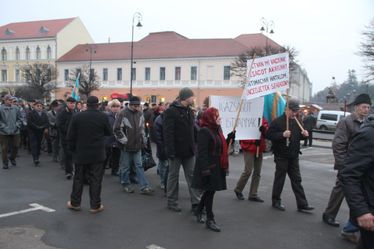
(91, 50)
(139, 25)
(267, 27)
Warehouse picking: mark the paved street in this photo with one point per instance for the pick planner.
(137, 221)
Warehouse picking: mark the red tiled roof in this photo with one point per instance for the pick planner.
(34, 29)
(256, 40)
(164, 45)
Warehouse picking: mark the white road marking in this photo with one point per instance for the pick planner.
(35, 207)
(154, 247)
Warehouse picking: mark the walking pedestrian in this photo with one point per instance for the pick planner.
(345, 130)
(286, 148)
(10, 125)
(357, 179)
(179, 137)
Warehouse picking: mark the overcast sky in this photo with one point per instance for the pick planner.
(327, 33)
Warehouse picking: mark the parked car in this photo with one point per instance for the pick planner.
(327, 120)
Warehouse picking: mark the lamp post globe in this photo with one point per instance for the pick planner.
(137, 16)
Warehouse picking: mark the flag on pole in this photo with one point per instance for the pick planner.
(75, 92)
(274, 106)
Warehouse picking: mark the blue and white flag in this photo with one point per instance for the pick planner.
(75, 92)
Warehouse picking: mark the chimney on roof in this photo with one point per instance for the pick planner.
(8, 31)
(43, 29)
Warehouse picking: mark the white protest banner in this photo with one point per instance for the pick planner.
(267, 75)
(250, 116)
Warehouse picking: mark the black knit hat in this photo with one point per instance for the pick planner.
(362, 99)
(134, 100)
(71, 99)
(185, 93)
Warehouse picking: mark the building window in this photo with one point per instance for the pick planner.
(147, 73)
(17, 54)
(177, 73)
(17, 76)
(105, 74)
(119, 74)
(27, 53)
(3, 75)
(133, 73)
(194, 73)
(3, 54)
(92, 75)
(66, 75)
(38, 53)
(226, 72)
(162, 73)
(49, 53)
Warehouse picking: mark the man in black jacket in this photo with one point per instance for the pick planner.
(179, 139)
(357, 178)
(62, 122)
(286, 148)
(86, 139)
(37, 122)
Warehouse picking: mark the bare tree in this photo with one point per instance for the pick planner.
(40, 78)
(239, 66)
(367, 51)
(88, 80)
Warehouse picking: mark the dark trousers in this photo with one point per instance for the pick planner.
(7, 141)
(309, 138)
(68, 158)
(35, 143)
(291, 167)
(207, 202)
(112, 158)
(367, 239)
(95, 172)
(335, 201)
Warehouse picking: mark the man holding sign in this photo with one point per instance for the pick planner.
(286, 147)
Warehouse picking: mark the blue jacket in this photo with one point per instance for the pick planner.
(10, 120)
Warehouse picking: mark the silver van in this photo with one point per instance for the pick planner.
(327, 120)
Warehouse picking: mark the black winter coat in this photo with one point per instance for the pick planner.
(159, 137)
(63, 120)
(208, 174)
(36, 122)
(86, 136)
(275, 134)
(357, 175)
(179, 131)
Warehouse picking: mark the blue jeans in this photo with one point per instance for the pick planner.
(125, 164)
(349, 227)
(162, 170)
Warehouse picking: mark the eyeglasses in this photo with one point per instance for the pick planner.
(136, 106)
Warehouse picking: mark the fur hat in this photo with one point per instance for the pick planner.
(92, 101)
(134, 100)
(293, 105)
(185, 93)
(362, 99)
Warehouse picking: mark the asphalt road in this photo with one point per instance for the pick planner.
(137, 221)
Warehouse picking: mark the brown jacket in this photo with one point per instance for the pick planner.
(345, 129)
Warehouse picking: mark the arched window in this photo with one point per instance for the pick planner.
(3, 54)
(27, 53)
(38, 53)
(17, 54)
(49, 53)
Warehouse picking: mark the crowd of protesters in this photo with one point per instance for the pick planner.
(88, 137)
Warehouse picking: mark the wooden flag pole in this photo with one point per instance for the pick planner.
(298, 123)
(287, 121)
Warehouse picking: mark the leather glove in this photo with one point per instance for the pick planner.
(230, 136)
(262, 129)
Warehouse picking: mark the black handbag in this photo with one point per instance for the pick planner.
(147, 158)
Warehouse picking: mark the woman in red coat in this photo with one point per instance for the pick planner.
(211, 164)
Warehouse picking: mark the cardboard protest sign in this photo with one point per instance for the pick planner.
(266, 75)
(250, 118)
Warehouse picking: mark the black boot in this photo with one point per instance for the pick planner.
(199, 216)
(211, 224)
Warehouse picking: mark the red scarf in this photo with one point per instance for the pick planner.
(209, 120)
